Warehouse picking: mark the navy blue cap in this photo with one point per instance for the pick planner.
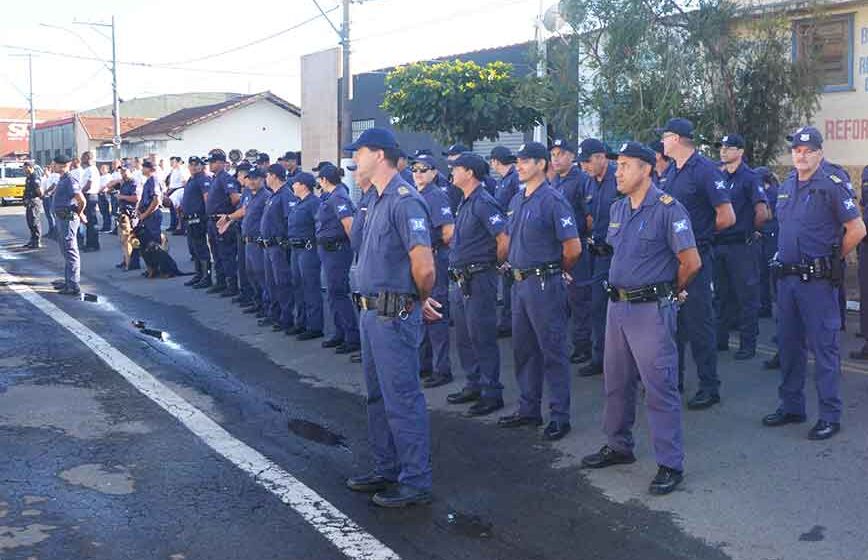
(589, 147)
(423, 152)
(290, 156)
(61, 159)
(532, 150)
(455, 149)
(679, 126)
(216, 155)
(244, 166)
(426, 159)
(636, 150)
(149, 164)
(305, 179)
(472, 162)
(329, 172)
(262, 158)
(321, 164)
(277, 170)
(806, 136)
(565, 145)
(731, 141)
(195, 160)
(657, 146)
(374, 138)
(502, 154)
(255, 173)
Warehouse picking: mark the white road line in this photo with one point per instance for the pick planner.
(330, 522)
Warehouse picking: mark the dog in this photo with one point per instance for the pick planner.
(158, 261)
(125, 233)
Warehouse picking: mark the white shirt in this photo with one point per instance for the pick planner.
(90, 173)
(49, 182)
(139, 178)
(104, 181)
(178, 177)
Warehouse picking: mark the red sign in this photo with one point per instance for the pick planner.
(846, 129)
(14, 137)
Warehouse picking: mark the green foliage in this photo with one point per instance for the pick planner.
(460, 101)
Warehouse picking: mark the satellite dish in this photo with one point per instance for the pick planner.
(553, 20)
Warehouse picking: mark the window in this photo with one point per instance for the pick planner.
(830, 41)
(360, 126)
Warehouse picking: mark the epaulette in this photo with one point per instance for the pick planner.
(835, 179)
(403, 191)
(666, 199)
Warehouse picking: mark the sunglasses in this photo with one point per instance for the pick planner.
(420, 169)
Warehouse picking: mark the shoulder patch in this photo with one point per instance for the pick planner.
(835, 179)
(666, 199)
(403, 191)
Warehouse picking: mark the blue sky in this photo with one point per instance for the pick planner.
(173, 32)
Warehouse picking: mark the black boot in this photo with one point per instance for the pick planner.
(205, 282)
(196, 277)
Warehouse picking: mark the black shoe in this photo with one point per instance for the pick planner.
(356, 358)
(216, 288)
(666, 481)
(607, 457)
(294, 331)
(861, 354)
(276, 327)
(580, 356)
(265, 321)
(425, 374)
(401, 496)
(309, 335)
(348, 348)
(252, 309)
(246, 303)
(69, 292)
(239, 299)
(745, 354)
(702, 400)
(231, 291)
(773, 363)
(824, 430)
(591, 370)
(781, 418)
(261, 314)
(332, 343)
(504, 333)
(516, 420)
(484, 407)
(464, 396)
(437, 380)
(120, 265)
(556, 430)
(371, 482)
(205, 282)
(194, 280)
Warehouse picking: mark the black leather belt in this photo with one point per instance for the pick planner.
(601, 249)
(460, 273)
(816, 269)
(387, 304)
(332, 244)
(520, 274)
(746, 240)
(301, 243)
(248, 239)
(266, 242)
(654, 292)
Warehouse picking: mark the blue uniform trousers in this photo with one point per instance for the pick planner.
(398, 425)
(224, 250)
(640, 346)
(696, 325)
(243, 277)
(435, 340)
(579, 296)
(809, 320)
(539, 313)
(476, 334)
(505, 321)
(738, 292)
(48, 206)
(278, 284)
(105, 211)
(599, 305)
(92, 225)
(307, 288)
(197, 242)
(67, 239)
(336, 265)
(768, 248)
(255, 268)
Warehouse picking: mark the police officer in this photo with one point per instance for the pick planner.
(503, 163)
(454, 193)
(736, 267)
(196, 221)
(661, 162)
(33, 205)
(769, 239)
(251, 222)
(697, 183)
(479, 244)
(305, 263)
(69, 206)
(655, 257)
(404, 167)
(334, 223)
(273, 241)
(290, 163)
(570, 181)
(396, 273)
(601, 190)
(435, 360)
(368, 194)
(149, 202)
(862, 353)
(543, 244)
(89, 180)
(129, 193)
(245, 297)
(820, 224)
(223, 195)
(262, 162)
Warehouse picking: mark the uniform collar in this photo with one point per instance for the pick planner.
(570, 174)
(394, 183)
(525, 197)
(652, 197)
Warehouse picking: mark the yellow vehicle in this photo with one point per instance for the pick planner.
(12, 178)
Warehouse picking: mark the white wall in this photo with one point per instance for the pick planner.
(262, 125)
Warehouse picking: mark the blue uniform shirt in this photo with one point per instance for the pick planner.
(246, 196)
(538, 224)
(193, 201)
(64, 195)
(252, 221)
(397, 221)
(600, 195)
(407, 175)
(745, 191)
(771, 191)
(359, 220)
(150, 191)
(699, 186)
(301, 221)
(222, 185)
(334, 207)
(440, 209)
(273, 222)
(811, 215)
(478, 223)
(489, 183)
(647, 240)
(573, 187)
(506, 188)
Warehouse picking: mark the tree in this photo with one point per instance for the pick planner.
(459, 101)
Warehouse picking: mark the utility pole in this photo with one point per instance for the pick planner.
(540, 132)
(116, 105)
(29, 96)
(346, 131)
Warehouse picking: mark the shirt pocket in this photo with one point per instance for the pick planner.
(650, 240)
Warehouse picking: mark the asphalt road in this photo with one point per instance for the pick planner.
(115, 444)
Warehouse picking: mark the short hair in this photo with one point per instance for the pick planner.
(392, 155)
